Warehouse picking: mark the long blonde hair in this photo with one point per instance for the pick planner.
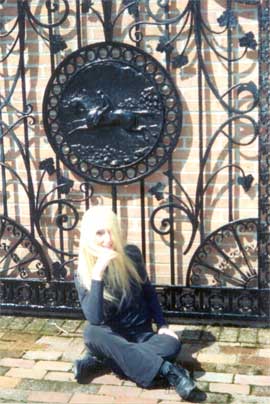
(121, 270)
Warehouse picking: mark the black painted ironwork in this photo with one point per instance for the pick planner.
(112, 115)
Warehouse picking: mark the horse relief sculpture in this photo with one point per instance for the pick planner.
(111, 113)
(105, 114)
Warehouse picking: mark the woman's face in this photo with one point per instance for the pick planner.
(104, 238)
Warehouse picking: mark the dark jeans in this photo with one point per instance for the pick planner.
(137, 353)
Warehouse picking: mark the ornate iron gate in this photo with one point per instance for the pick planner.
(119, 128)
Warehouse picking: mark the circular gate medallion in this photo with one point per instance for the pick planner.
(112, 113)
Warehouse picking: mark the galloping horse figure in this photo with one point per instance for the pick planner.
(105, 114)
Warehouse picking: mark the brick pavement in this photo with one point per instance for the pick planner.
(231, 364)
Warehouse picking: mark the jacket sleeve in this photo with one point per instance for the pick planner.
(91, 300)
(149, 291)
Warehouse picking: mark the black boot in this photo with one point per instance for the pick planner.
(85, 367)
(180, 379)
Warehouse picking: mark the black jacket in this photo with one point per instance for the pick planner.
(142, 307)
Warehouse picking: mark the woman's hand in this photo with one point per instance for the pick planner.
(104, 257)
(165, 330)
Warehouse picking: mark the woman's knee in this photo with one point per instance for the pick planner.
(94, 334)
(173, 347)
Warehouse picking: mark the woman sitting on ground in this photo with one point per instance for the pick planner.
(120, 304)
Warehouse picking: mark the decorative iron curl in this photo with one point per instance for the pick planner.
(165, 21)
(5, 34)
(55, 7)
(242, 86)
(60, 220)
(138, 36)
(167, 222)
(10, 50)
(193, 210)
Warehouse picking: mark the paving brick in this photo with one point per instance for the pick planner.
(229, 334)
(19, 323)
(248, 335)
(9, 396)
(172, 401)
(108, 379)
(36, 325)
(214, 377)
(264, 337)
(49, 397)
(58, 343)
(81, 398)
(52, 327)
(3, 370)
(56, 385)
(210, 333)
(17, 363)
(61, 376)
(43, 355)
(216, 398)
(12, 353)
(255, 361)
(75, 350)
(81, 328)
(120, 390)
(264, 352)
(260, 391)
(53, 365)
(18, 337)
(26, 373)
(253, 380)
(160, 394)
(240, 399)
(9, 382)
(71, 326)
(241, 369)
(208, 357)
(134, 400)
(229, 388)
(5, 321)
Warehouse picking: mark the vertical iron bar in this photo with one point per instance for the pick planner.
(264, 145)
(78, 24)
(108, 27)
(259, 246)
(143, 234)
(230, 157)
(170, 180)
(142, 182)
(197, 27)
(114, 198)
(21, 14)
(79, 44)
(48, 4)
(3, 171)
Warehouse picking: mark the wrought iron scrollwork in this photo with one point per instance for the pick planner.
(227, 257)
(21, 256)
(192, 209)
(224, 278)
